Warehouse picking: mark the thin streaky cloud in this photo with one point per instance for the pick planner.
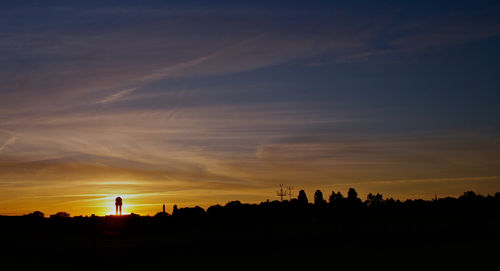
(116, 96)
(175, 69)
(9, 141)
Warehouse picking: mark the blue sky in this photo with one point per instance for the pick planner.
(199, 103)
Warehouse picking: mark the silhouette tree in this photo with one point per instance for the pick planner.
(175, 210)
(233, 204)
(215, 210)
(318, 198)
(369, 197)
(469, 195)
(335, 197)
(60, 215)
(36, 214)
(302, 198)
(374, 200)
(189, 213)
(352, 194)
(352, 198)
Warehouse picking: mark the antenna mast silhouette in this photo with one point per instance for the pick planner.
(289, 192)
(281, 193)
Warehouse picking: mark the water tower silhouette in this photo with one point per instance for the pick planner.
(118, 204)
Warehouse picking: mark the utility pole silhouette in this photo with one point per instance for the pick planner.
(289, 192)
(281, 193)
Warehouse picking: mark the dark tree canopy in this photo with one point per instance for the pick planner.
(302, 198)
(318, 198)
(374, 200)
(335, 197)
(187, 212)
(352, 194)
(60, 215)
(36, 214)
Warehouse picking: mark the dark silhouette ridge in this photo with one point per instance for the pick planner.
(344, 229)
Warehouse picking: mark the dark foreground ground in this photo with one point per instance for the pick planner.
(353, 240)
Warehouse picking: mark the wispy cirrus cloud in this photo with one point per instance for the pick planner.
(95, 61)
(8, 142)
(116, 96)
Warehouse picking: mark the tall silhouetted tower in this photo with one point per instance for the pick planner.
(118, 204)
(163, 208)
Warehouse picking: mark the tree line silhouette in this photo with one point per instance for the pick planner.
(339, 206)
(336, 203)
(336, 226)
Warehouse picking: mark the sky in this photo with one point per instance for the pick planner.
(205, 102)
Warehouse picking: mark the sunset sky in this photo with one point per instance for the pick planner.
(190, 103)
